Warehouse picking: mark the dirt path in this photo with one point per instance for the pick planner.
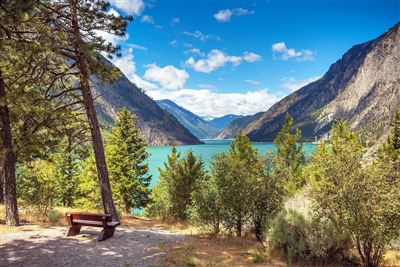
(35, 246)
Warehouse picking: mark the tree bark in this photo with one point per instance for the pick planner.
(1, 188)
(98, 147)
(239, 226)
(8, 161)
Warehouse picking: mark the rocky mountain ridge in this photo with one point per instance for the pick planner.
(194, 123)
(158, 126)
(362, 87)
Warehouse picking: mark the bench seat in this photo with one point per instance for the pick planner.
(77, 220)
(95, 223)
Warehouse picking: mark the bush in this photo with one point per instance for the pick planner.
(257, 256)
(288, 235)
(172, 195)
(36, 186)
(54, 216)
(361, 199)
(299, 235)
(206, 209)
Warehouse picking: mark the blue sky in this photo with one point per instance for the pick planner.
(221, 57)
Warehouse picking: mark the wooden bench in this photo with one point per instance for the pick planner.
(77, 220)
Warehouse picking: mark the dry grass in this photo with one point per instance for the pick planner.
(204, 250)
(392, 258)
(196, 250)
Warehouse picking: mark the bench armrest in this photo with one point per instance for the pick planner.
(69, 219)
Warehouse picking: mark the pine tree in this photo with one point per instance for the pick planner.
(190, 170)
(161, 202)
(127, 160)
(235, 174)
(360, 200)
(71, 151)
(172, 194)
(77, 23)
(290, 157)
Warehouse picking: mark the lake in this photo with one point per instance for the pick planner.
(158, 155)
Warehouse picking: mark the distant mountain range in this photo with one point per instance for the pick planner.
(224, 121)
(362, 87)
(158, 126)
(194, 123)
(198, 126)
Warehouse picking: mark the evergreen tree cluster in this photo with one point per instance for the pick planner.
(49, 55)
(355, 206)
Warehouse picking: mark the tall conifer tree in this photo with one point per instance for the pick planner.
(78, 23)
(127, 160)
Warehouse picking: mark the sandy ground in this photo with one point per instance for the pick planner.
(36, 246)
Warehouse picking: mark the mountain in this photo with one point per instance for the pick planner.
(158, 126)
(222, 122)
(362, 87)
(236, 125)
(195, 124)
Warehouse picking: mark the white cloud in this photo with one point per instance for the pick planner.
(114, 12)
(111, 38)
(280, 51)
(217, 59)
(130, 7)
(148, 86)
(136, 46)
(226, 14)
(174, 43)
(253, 82)
(128, 67)
(201, 36)
(219, 104)
(292, 84)
(206, 86)
(126, 64)
(175, 21)
(171, 86)
(167, 77)
(195, 51)
(251, 57)
(147, 19)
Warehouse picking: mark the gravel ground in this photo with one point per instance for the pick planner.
(48, 247)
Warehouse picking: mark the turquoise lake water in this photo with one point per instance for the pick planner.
(158, 155)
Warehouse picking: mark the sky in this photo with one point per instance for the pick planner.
(240, 57)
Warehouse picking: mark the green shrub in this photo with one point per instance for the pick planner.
(288, 235)
(36, 186)
(172, 195)
(206, 209)
(300, 235)
(54, 216)
(257, 256)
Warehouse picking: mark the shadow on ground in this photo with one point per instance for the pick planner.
(128, 247)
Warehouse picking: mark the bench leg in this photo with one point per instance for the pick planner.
(106, 233)
(73, 230)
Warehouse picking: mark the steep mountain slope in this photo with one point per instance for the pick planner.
(196, 125)
(158, 126)
(363, 87)
(236, 125)
(224, 121)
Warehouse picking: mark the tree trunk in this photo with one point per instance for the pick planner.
(1, 188)
(258, 228)
(239, 226)
(98, 147)
(8, 161)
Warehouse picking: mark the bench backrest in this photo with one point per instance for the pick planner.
(90, 216)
